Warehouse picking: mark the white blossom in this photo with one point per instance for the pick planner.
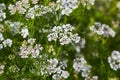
(56, 69)
(24, 32)
(80, 65)
(7, 42)
(64, 34)
(65, 40)
(102, 29)
(67, 6)
(30, 49)
(65, 74)
(52, 36)
(114, 60)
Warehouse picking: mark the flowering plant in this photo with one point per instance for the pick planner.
(59, 40)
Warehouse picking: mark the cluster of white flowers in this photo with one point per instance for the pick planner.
(13, 26)
(114, 60)
(21, 6)
(2, 13)
(5, 42)
(38, 11)
(56, 69)
(102, 29)
(67, 6)
(24, 32)
(80, 65)
(18, 7)
(24, 7)
(2, 69)
(29, 48)
(63, 34)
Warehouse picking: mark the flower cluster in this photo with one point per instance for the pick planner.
(80, 65)
(2, 13)
(38, 11)
(102, 29)
(64, 34)
(21, 6)
(24, 32)
(18, 7)
(57, 69)
(29, 48)
(67, 6)
(5, 42)
(1, 69)
(24, 7)
(114, 60)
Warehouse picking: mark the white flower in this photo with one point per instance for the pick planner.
(65, 74)
(57, 29)
(52, 36)
(17, 7)
(114, 66)
(35, 53)
(111, 32)
(75, 38)
(30, 13)
(114, 60)
(80, 65)
(29, 49)
(24, 53)
(31, 41)
(67, 6)
(68, 27)
(25, 3)
(53, 62)
(64, 34)
(24, 32)
(66, 11)
(12, 9)
(115, 55)
(102, 29)
(65, 40)
(7, 42)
